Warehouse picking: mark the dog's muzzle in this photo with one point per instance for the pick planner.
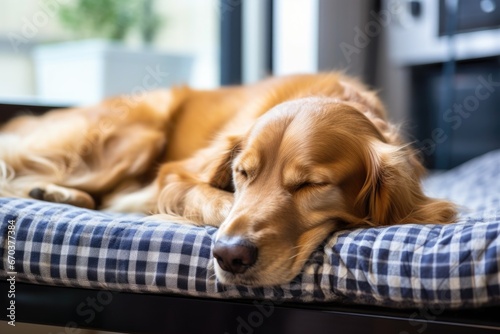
(235, 255)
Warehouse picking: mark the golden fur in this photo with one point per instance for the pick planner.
(281, 163)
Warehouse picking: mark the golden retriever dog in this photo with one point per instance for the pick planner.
(277, 166)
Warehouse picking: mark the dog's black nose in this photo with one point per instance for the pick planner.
(235, 255)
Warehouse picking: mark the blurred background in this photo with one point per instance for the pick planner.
(435, 63)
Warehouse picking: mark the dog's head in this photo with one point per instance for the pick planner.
(306, 168)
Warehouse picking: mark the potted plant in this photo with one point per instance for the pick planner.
(101, 64)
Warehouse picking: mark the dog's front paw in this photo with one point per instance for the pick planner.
(58, 194)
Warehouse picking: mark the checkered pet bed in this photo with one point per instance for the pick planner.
(399, 266)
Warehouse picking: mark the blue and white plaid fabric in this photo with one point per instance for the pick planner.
(399, 266)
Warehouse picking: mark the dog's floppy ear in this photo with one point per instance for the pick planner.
(220, 170)
(392, 193)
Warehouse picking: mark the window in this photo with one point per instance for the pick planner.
(48, 54)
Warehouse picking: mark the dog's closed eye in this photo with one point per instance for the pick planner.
(244, 171)
(241, 172)
(307, 185)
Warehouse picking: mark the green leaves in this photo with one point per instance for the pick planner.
(112, 19)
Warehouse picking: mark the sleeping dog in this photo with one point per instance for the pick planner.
(277, 166)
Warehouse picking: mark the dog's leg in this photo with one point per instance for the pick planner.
(133, 198)
(198, 190)
(57, 194)
(77, 155)
(185, 199)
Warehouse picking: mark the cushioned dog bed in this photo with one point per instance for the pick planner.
(399, 266)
